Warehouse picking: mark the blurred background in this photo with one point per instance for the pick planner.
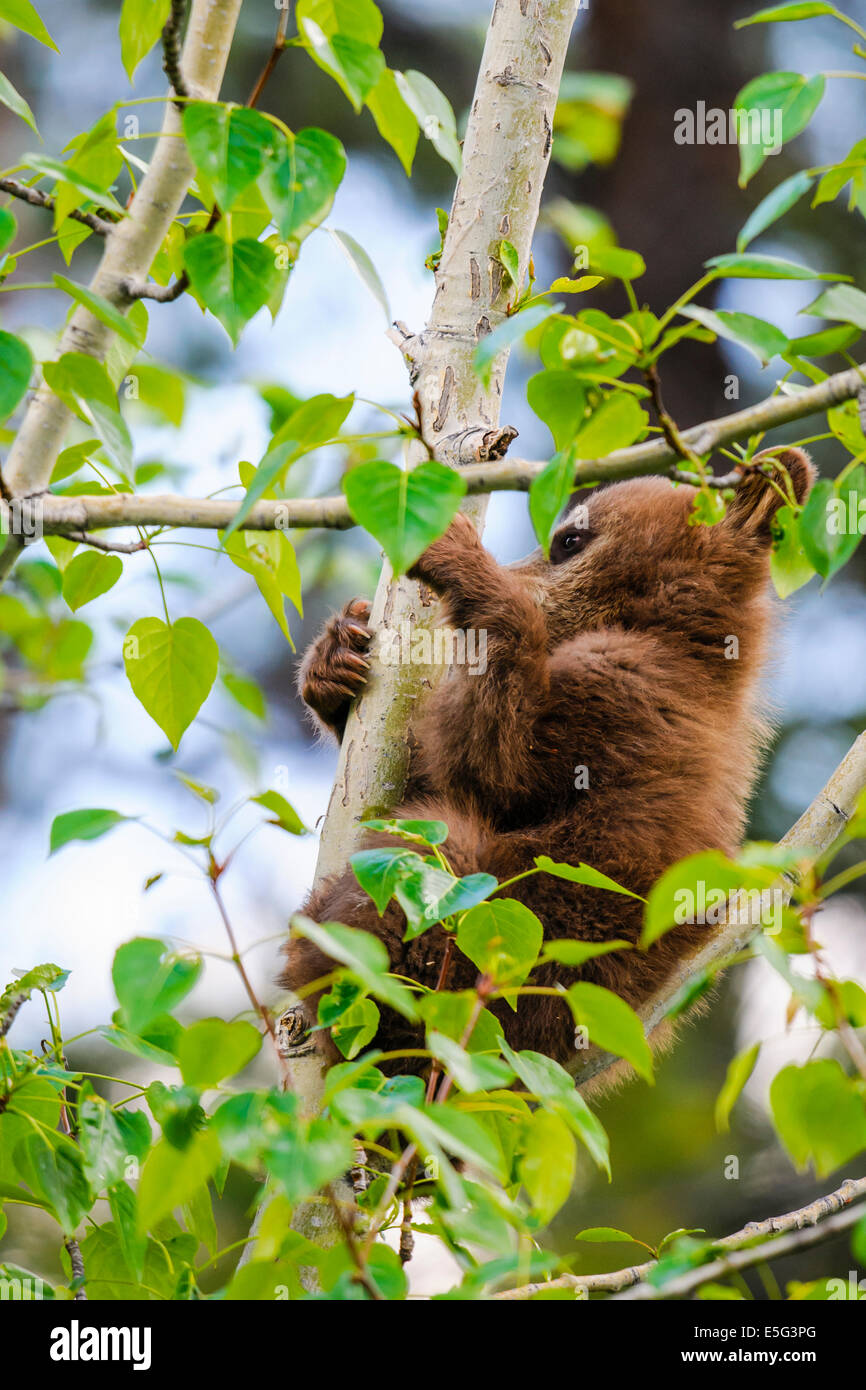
(677, 205)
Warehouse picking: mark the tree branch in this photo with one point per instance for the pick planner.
(802, 1221)
(37, 199)
(816, 830)
(64, 515)
(130, 248)
(171, 50)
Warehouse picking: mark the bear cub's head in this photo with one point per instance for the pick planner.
(626, 554)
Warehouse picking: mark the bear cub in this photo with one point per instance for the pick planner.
(619, 722)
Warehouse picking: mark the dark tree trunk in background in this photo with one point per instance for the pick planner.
(676, 204)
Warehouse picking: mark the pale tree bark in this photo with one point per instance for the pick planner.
(131, 245)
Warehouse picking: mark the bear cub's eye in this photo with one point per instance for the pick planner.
(567, 544)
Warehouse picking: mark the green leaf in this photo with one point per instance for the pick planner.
(434, 115)
(395, 121)
(229, 145)
(582, 873)
(616, 262)
(8, 228)
(76, 179)
(428, 832)
(88, 575)
(821, 344)
(89, 824)
(364, 955)
(505, 335)
(300, 188)
(617, 422)
(552, 1084)
(269, 557)
(150, 979)
(313, 423)
(762, 339)
(470, 1071)
(16, 368)
(549, 492)
(830, 521)
(233, 280)
(792, 95)
(15, 102)
(171, 670)
(357, 1026)
(697, 890)
(751, 266)
(56, 1171)
(503, 938)
(841, 302)
(84, 385)
(363, 268)
(790, 567)
(22, 15)
(548, 1163)
(342, 37)
(211, 1050)
(560, 400)
(798, 9)
(740, 1068)
(171, 1176)
(380, 870)
(606, 1235)
(285, 816)
(577, 953)
(101, 309)
(102, 1141)
(245, 692)
(141, 23)
(820, 1115)
(404, 510)
(611, 1024)
(774, 206)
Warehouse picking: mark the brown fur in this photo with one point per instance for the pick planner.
(613, 658)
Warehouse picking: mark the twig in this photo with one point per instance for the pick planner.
(111, 547)
(76, 1260)
(237, 960)
(669, 426)
(101, 225)
(362, 1275)
(273, 57)
(163, 294)
(745, 1259)
(171, 46)
(619, 1279)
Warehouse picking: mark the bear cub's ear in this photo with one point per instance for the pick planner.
(757, 501)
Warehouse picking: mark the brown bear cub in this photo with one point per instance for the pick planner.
(618, 722)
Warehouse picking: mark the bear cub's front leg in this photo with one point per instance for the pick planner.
(335, 668)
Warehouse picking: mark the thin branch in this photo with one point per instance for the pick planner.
(61, 515)
(76, 1261)
(273, 57)
(110, 547)
(37, 199)
(814, 833)
(163, 294)
(745, 1259)
(801, 1219)
(171, 50)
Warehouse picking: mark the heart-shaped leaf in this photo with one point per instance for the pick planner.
(233, 281)
(88, 575)
(299, 190)
(404, 510)
(16, 367)
(229, 145)
(171, 670)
